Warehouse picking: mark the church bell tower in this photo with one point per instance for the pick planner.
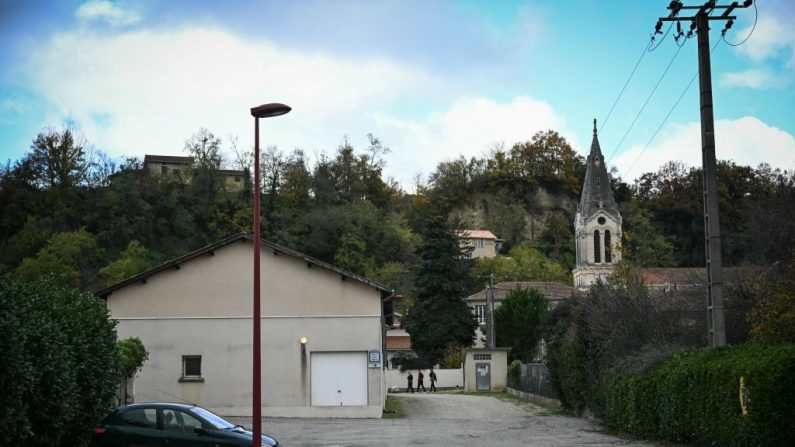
(597, 224)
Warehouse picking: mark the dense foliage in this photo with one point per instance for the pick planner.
(699, 396)
(519, 323)
(58, 357)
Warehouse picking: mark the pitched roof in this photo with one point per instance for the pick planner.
(551, 290)
(167, 159)
(476, 234)
(398, 342)
(596, 191)
(267, 245)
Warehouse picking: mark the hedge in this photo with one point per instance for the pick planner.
(695, 397)
(57, 364)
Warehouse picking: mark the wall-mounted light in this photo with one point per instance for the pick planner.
(303, 341)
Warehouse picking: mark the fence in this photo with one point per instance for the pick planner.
(534, 379)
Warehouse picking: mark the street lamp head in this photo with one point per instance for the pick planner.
(269, 110)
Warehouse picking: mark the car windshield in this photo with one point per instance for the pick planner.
(212, 418)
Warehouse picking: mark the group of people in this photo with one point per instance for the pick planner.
(421, 381)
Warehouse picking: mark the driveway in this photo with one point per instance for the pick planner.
(445, 420)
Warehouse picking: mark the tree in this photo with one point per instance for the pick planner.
(58, 159)
(439, 317)
(133, 260)
(773, 315)
(518, 323)
(642, 243)
(71, 256)
(131, 355)
(59, 365)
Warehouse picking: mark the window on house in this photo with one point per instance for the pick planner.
(482, 356)
(191, 368)
(597, 248)
(164, 170)
(480, 314)
(608, 253)
(175, 171)
(480, 242)
(237, 179)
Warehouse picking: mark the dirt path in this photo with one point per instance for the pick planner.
(446, 420)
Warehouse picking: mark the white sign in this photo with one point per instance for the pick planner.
(374, 359)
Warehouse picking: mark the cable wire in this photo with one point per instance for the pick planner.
(626, 173)
(645, 104)
(642, 54)
(661, 38)
(756, 17)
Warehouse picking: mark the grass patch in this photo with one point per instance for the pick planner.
(393, 409)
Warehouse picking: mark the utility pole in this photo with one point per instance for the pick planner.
(700, 23)
(490, 338)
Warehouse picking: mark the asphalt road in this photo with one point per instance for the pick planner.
(445, 420)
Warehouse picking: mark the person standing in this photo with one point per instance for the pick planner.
(432, 376)
(410, 380)
(420, 380)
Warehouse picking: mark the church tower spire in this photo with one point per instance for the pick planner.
(597, 224)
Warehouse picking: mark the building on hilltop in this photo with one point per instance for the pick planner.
(167, 165)
(181, 169)
(597, 224)
(483, 243)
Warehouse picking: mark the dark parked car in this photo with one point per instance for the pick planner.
(169, 424)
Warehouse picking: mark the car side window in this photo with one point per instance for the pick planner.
(179, 420)
(141, 417)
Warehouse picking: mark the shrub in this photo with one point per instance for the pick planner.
(58, 357)
(695, 396)
(570, 367)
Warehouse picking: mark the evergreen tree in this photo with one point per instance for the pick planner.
(439, 317)
(518, 323)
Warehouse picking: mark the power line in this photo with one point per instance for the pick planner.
(626, 174)
(643, 53)
(645, 103)
(729, 25)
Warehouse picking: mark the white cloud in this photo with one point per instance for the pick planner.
(470, 127)
(773, 36)
(146, 92)
(755, 78)
(106, 11)
(746, 141)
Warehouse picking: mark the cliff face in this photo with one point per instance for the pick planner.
(515, 220)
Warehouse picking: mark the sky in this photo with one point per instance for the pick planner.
(433, 80)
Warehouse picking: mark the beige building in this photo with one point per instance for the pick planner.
(485, 369)
(194, 315)
(233, 180)
(483, 243)
(164, 165)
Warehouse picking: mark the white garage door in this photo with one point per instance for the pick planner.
(339, 378)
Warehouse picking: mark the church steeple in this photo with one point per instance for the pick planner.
(597, 224)
(596, 192)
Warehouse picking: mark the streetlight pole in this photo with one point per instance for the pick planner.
(263, 111)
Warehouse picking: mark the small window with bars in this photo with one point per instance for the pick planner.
(482, 356)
